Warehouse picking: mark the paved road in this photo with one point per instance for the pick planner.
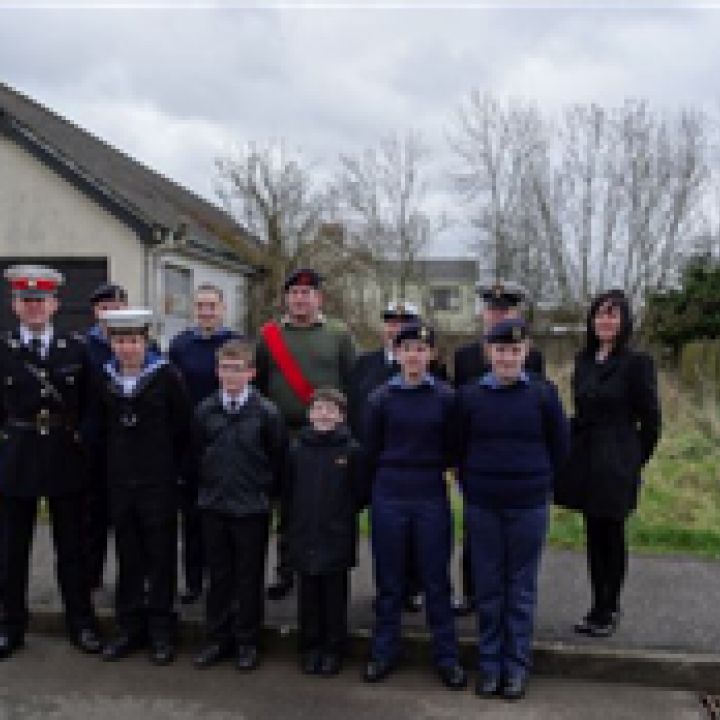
(49, 680)
(670, 603)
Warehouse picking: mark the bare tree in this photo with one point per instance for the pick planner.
(383, 190)
(275, 194)
(601, 197)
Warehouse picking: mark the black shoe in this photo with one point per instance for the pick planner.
(453, 677)
(247, 658)
(8, 645)
(88, 641)
(487, 686)
(605, 625)
(584, 627)
(514, 687)
(377, 670)
(162, 652)
(121, 647)
(330, 664)
(190, 596)
(310, 662)
(413, 603)
(463, 606)
(212, 654)
(281, 587)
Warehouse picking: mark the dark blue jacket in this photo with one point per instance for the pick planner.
(194, 356)
(409, 438)
(512, 440)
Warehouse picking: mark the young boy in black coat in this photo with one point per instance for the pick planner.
(241, 450)
(326, 489)
(145, 421)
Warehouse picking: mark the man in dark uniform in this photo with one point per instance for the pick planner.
(500, 301)
(193, 353)
(107, 296)
(43, 395)
(371, 370)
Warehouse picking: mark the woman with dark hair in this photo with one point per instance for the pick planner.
(615, 430)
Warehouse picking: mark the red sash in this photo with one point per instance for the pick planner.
(286, 363)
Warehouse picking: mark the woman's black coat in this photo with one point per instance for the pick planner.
(614, 432)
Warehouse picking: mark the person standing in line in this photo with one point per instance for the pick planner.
(502, 300)
(410, 442)
(44, 392)
(513, 438)
(614, 433)
(193, 352)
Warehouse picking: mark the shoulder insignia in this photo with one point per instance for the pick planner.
(62, 343)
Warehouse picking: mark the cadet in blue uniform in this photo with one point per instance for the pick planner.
(107, 296)
(43, 398)
(513, 437)
(500, 301)
(193, 353)
(371, 370)
(146, 416)
(409, 436)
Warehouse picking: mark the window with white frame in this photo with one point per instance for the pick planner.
(445, 298)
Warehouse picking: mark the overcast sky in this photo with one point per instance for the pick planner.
(175, 87)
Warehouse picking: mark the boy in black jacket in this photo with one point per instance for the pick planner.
(145, 421)
(325, 492)
(241, 444)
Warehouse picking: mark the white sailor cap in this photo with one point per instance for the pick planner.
(401, 310)
(127, 319)
(33, 280)
(502, 293)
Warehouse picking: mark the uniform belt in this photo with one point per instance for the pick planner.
(42, 422)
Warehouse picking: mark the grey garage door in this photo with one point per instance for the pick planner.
(82, 276)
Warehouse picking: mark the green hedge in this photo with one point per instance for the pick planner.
(700, 365)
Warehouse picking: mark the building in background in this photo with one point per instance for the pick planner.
(70, 200)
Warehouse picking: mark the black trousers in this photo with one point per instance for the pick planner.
(322, 611)
(145, 522)
(193, 557)
(17, 524)
(236, 552)
(607, 556)
(96, 528)
(468, 584)
(413, 584)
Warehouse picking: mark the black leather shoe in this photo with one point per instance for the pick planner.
(162, 652)
(310, 662)
(88, 641)
(212, 654)
(330, 664)
(514, 687)
(413, 603)
(190, 596)
(605, 625)
(377, 670)
(584, 627)
(8, 645)
(453, 677)
(463, 606)
(281, 587)
(121, 647)
(247, 658)
(487, 686)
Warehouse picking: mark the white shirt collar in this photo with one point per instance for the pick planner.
(236, 401)
(26, 335)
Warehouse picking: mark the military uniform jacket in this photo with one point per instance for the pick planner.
(147, 432)
(42, 402)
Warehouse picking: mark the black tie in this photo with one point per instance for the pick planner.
(36, 347)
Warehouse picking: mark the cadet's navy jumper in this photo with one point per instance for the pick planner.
(513, 438)
(409, 432)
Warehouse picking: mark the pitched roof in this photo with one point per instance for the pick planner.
(148, 197)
